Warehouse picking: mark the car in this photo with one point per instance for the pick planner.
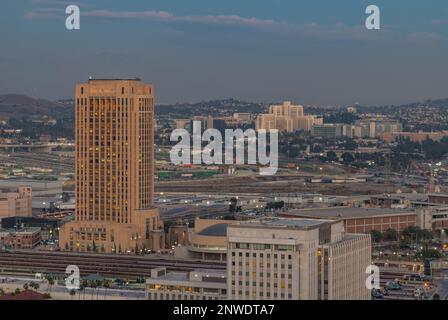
(393, 285)
(376, 294)
(415, 277)
(418, 292)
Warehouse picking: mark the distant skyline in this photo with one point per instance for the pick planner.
(310, 52)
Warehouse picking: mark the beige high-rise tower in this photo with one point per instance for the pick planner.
(114, 169)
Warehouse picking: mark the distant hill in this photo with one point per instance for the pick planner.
(211, 107)
(18, 106)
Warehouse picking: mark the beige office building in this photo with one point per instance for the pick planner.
(285, 117)
(296, 259)
(15, 202)
(114, 169)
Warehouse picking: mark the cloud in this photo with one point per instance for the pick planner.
(162, 16)
(425, 38)
(169, 17)
(339, 31)
(312, 30)
(439, 21)
(44, 13)
(54, 5)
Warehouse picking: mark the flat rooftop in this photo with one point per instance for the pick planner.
(185, 275)
(421, 197)
(23, 230)
(114, 79)
(294, 223)
(346, 212)
(444, 195)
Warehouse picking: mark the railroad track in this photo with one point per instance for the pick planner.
(107, 265)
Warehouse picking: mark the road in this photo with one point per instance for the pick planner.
(442, 289)
(60, 292)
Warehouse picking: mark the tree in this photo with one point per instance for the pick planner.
(275, 205)
(426, 234)
(84, 284)
(47, 296)
(34, 285)
(331, 156)
(410, 233)
(390, 235)
(233, 205)
(347, 158)
(72, 293)
(349, 144)
(427, 253)
(93, 285)
(98, 286)
(377, 236)
(25, 286)
(81, 289)
(65, 197)
(341, 117)
(106, 285)
(50, 282)
(167, 225)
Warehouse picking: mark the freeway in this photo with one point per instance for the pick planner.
(442, 289)
(59, 291)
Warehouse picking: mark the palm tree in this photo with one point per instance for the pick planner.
(92, 284)
(106, 285)
(50, 282)
(81, 288)
(98, 286)
(34, 285)
(84, 285)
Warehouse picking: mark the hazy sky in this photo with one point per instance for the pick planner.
(311, 52)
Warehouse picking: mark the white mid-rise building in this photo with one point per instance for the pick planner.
(296, 259)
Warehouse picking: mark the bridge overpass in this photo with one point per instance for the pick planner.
(31, 147)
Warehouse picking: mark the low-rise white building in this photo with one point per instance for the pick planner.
(193, 285)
